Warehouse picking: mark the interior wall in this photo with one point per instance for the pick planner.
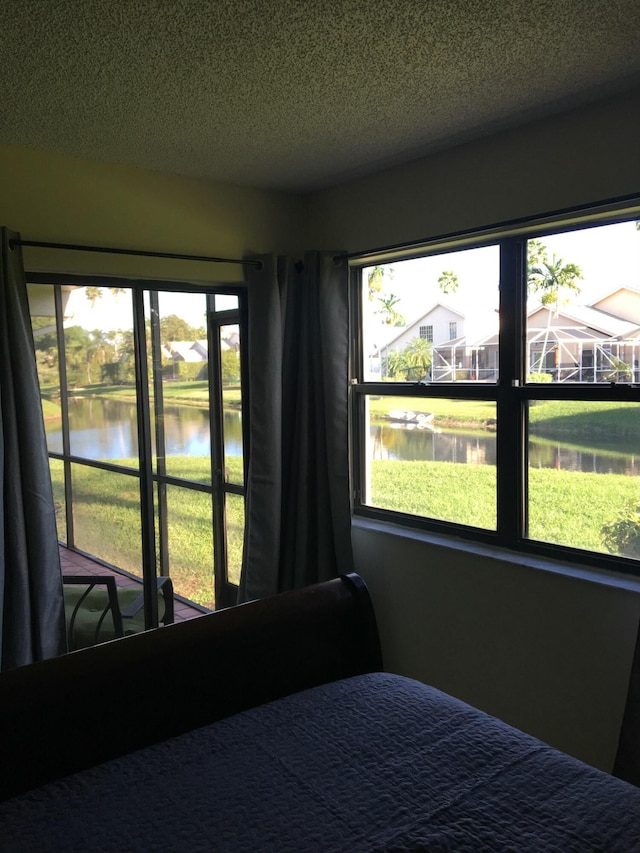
(548, 652)
(52, 197)
(575, 158)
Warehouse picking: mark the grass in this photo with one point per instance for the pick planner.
(592, 422)
(565, 507)
(194, 393)
(107, 522)
(50, 410)
(453, 413)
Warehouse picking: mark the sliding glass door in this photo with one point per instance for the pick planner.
(142, 391)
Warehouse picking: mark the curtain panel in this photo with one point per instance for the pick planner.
(31, 594)
(298, 522)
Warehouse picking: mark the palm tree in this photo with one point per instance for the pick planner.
(374, 282)
(93, 294)
(395, 366)
(418, 357)
(448, 282)
(392, 317)
(548, 277)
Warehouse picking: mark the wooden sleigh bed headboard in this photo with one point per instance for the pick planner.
(73, 712)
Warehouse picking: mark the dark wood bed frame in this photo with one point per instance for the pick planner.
(70, 713)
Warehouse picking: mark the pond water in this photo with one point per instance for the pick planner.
(388, 442)
(107, 429)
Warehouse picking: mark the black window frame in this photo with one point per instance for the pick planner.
(225, 591)
(511, 393)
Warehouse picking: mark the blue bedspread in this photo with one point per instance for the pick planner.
(372, 763)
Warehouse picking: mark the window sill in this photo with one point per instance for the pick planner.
(520, 559)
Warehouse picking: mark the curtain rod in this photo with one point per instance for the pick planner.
(39, 244)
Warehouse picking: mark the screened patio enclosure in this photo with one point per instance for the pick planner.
(142, 392)
(564, 354)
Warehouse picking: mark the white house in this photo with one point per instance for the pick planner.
(592, 343)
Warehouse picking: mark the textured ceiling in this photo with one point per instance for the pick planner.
(297, 94)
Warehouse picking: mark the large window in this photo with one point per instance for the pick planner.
(517, 421)
(142, 393)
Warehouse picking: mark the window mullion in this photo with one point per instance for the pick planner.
(64, 407)
(146, 463)
(511, 443)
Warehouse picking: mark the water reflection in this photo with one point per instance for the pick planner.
(108, 429)
(419, 445)
(474, 448)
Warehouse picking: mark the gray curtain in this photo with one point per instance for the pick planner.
(298, 524)
(31, 597)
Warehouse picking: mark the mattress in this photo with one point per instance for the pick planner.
(372, 763)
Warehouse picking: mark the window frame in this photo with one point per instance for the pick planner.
(225, 592)
(511, 393)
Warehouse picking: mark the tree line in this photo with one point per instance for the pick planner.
(106, 357)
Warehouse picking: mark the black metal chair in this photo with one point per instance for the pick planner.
(97, 610)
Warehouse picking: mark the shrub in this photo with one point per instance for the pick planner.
(230, 366)
(539, 377)
(622, 536)
(184, 371)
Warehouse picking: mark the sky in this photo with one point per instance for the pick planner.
(115, 312)
(609, 257)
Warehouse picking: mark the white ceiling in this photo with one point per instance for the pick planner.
(298, 94)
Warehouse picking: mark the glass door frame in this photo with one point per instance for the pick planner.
(225, 592)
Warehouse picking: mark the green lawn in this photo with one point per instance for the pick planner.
(471, 414)
(194, 393)
(558, 418)
(107, 522)
(589, 420)
(565, 507)
(50, 410)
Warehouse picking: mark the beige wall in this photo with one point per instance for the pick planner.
(576, 158)
(47, 196)
(548, 652)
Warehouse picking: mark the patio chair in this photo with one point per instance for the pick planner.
(97, 610)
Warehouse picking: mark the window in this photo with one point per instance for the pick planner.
(426, 333)
(518, 422)
(143, 397)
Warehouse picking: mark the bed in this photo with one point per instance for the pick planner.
(272, 727)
